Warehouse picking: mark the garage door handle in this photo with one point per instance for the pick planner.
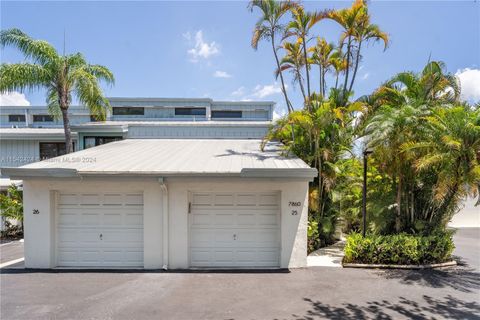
(101, 236)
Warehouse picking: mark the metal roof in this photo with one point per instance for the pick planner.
(32, 133)
(172, 157)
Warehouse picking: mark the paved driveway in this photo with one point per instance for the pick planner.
(317, 292)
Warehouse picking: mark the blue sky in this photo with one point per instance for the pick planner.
(202, 49)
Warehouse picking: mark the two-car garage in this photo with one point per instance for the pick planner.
(220, 204)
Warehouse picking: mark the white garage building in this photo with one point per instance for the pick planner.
(160, 203)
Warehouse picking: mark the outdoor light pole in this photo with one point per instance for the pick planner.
(366, 152)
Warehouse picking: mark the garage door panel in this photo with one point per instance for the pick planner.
(235, 230)
(103, 230)
(224, 219)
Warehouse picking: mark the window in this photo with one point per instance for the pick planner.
(89, 142)
(128, 111)
(226, 114)
(42, 118)
(16, 118)
(190, 111)
(52, 149)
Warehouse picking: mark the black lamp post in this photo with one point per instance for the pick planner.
(366, 152)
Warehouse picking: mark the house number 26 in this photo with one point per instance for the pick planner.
(294, 204)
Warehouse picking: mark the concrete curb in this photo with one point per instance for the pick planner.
(400, 266)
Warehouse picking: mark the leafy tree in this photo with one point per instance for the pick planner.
(63, 77)
(11, 204)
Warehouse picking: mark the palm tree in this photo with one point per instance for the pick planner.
(62, 76)
(347, 19)
(363, 33)
(322, 56)
(300, 27)
(293, 61)
(452, 149)
(267, 28)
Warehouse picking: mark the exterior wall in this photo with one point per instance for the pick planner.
(16, 153)
(192, 131)
(78, 115)
(293, 227)
(40, 229)
(468, 217)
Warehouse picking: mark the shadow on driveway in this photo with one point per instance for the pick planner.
(448, 308)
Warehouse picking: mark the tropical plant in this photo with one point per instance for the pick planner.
(293, 61)
(268, 27)
(300, 25)
(11, 204)
(62, 76)
(451, 150)
(357, 30)
(323, 55)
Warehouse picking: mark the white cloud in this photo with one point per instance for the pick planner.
(201, 49)
(13, 99)
(221, 74)
(470, 84)
(266, 90)
(239, 92)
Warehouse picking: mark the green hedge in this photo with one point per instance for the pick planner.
(399, 249)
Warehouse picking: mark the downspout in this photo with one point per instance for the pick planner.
(163, 186)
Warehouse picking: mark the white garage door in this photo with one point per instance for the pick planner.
(234, 230)
(100, 230)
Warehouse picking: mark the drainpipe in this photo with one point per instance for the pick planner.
(163, 186)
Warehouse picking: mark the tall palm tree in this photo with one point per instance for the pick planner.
(62, 76)
(294, 62)
(322, 56)
(300, 27)
(363, 33)
(268, 27)
(347, 19)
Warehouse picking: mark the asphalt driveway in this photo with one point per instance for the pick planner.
(317, 292)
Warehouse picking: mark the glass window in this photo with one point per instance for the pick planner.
(89, 142)
(42, 118)
(226, 114)
(128, 111)
(52, 149)
(190, 111)
(16, 118)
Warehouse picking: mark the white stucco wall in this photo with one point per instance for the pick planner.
(468, 216)
(40, 229)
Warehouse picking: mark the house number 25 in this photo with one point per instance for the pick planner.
(294, 204)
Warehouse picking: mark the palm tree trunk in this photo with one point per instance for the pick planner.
(320, 75)
(324, 83)
(348, 66)
(66, 128)
(306, 67)
(284, 91)
(357, 60)
(302, 89)
(399, 206)
(336, 80)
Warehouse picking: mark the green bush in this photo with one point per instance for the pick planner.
(399, 248)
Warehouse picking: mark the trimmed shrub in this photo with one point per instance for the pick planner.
(399, 248)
